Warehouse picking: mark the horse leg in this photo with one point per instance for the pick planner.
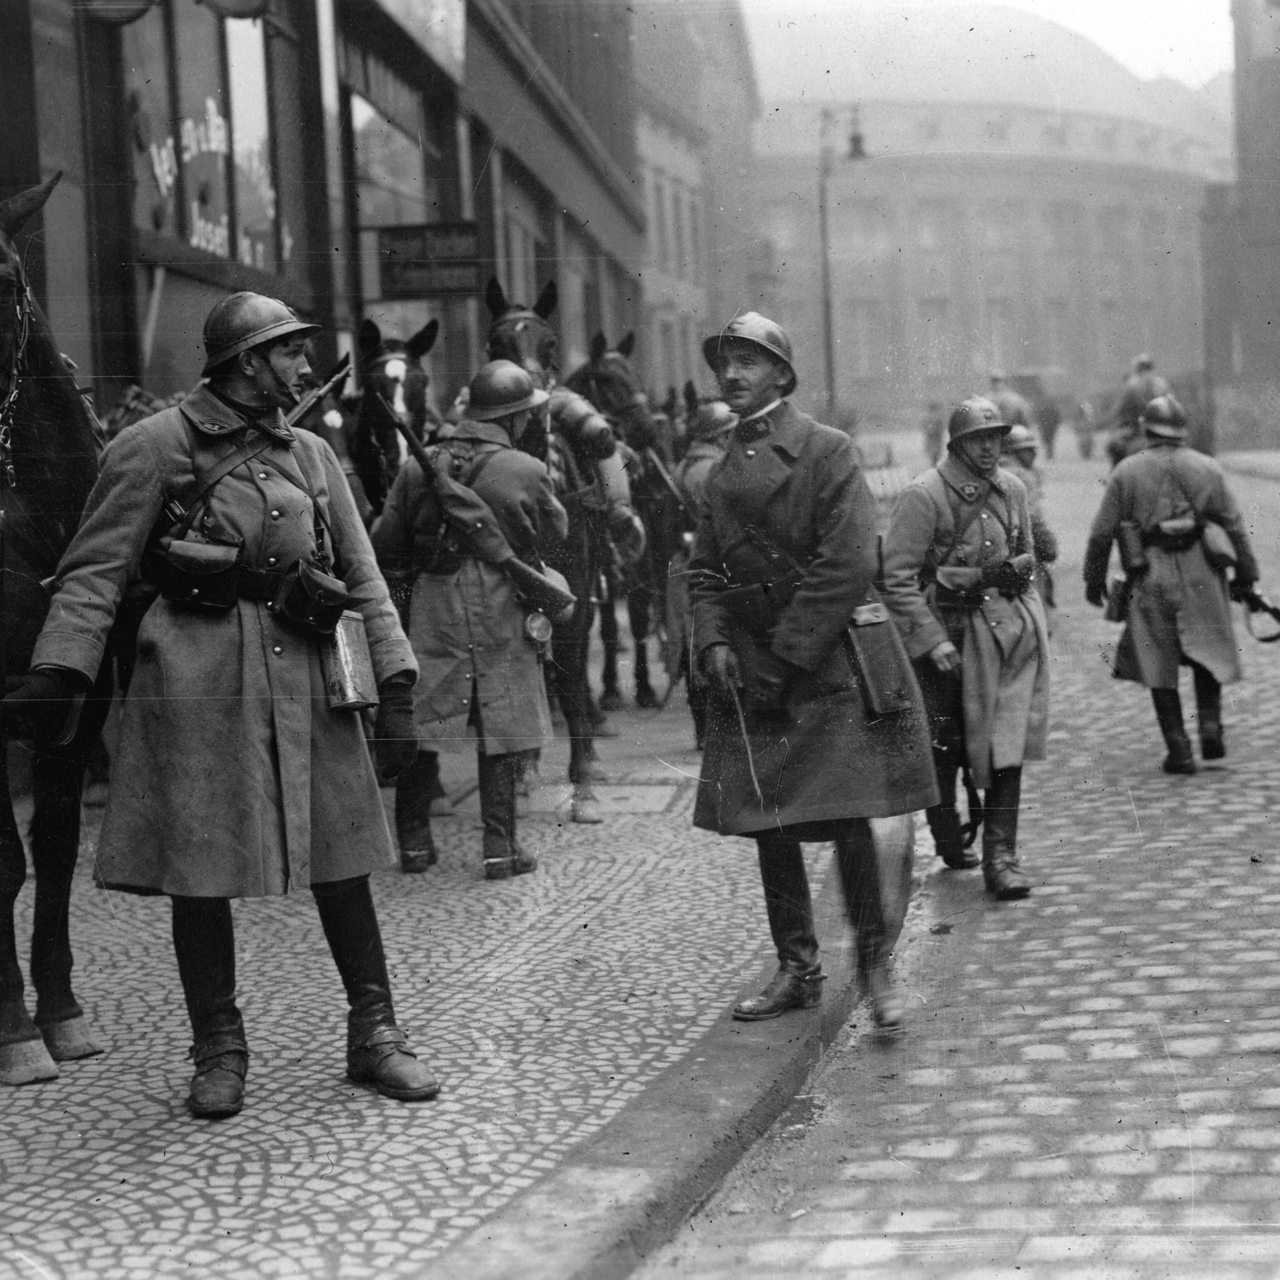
(640, 613)
(57, 780)
(23, 1056)
(611, 694)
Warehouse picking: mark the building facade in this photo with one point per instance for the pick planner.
(1044, 222)
(357, 158)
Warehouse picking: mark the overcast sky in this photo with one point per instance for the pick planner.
(1189, 40)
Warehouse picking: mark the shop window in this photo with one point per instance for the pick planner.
(255, 192)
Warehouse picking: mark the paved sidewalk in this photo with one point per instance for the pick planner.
(594, 1086)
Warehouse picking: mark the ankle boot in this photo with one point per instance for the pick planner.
(1169, 716)
(204, 945)
(1209, 714)
(416, 789)
(888, 1008)
(788, 989)
(503, 856)
(378, 1052)
(1001, 868)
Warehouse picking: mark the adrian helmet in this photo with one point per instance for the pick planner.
(759, 330)
(1164, 417)
(246, 320)
(977, 413)
(712, 420)
(1020, 437)
(500, 388)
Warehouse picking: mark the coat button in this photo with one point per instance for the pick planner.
(272, 561)
(277, 649)
(275, 514)
(262, 475)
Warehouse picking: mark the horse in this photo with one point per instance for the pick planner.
(582, 458)
(391, 377)
(610, 381)
(49, 451)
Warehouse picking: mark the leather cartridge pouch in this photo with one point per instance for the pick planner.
(198, 575)
(310, 599)
(1133, 551)
(884, 671)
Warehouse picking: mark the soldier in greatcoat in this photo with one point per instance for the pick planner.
(959, 571)
(481, 675)
(1179, 610)
(783, 557)
(234, 777)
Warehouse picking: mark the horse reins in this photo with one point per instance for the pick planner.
(9, 404)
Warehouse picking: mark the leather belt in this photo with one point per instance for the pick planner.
(258, 584)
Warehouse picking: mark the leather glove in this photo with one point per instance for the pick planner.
(395, 739)
(39, 705)
(1095, 594)
(720, 664)
(770, 684)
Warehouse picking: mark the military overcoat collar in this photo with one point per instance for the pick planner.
(214, 417)
(772, 456)
(967, 482)
(488, 432)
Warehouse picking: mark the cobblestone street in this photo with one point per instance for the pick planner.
(1090, 1085)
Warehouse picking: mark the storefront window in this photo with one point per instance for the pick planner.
(204, 141)
(155, 156)
(255, 192)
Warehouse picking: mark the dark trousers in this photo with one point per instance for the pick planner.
(789, 905)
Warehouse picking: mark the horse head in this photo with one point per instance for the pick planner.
(609, 380)
(522, 333)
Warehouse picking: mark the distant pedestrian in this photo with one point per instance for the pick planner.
(1177, 526)
(1014, 407)
(1019, 456)
(784, 559)
(234, 777)
(481, 671)
(935, 431)
(959, 569)
(1142, 386)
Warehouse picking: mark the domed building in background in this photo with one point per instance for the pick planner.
(1001, 193)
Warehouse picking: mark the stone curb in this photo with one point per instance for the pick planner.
(627, 1190)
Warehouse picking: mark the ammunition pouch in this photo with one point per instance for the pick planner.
(197, 575)
(1179, 533)
(309, 599)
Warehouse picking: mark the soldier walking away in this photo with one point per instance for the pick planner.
(481, 668)
(797, 746)
(959, 572)
(1014, 407)
(235, 777)
(1178, 529)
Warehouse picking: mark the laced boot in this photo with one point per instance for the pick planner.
(1169, 716)
(204, 945)
(1001, 867)
(888, 1008)
(790, 988)
(378, 1052)
(415, 792)
(1209, 715)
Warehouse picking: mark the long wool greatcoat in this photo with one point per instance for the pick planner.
(1003, 643)
(800, 486)
(232, 777)
(1178, 607)
(467, 627)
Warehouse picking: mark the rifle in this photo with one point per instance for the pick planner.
(474, 520)
(336, 378)
(1255, 602)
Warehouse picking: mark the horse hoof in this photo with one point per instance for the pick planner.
(585, 810)
(611, 700)
(646, 698)
(71, 1039)
(26, 1062)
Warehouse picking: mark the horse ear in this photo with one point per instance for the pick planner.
(494, 297)
(599, 345)
(16, 210)
(368, 338)
(423, 340)
(547, 300)
(627, 345)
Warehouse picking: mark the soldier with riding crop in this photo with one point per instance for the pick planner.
(812, 731)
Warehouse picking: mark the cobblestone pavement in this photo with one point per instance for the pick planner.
(1090, 1085)
(545, 1003)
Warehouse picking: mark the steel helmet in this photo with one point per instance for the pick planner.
(711, 420)
(246, 320)
(759, 330)
(977, 413)
(1020, 437)
(1164, 417)
(500, 388)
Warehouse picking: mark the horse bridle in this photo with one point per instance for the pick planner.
(22, 304)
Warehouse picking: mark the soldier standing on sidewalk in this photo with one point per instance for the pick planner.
(481, 673)
(783, 557)
(1165, 498)
(234, 777)
(959, 577)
